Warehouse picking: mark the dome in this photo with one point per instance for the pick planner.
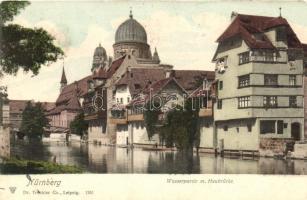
(100, 51)
(131, 31)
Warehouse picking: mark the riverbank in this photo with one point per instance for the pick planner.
(20, 166)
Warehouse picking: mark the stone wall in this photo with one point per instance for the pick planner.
(274, 146)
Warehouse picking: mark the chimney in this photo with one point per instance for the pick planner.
(170, 73)
(233, 15)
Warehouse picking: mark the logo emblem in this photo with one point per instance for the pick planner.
(12, 189)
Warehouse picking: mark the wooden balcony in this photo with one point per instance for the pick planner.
(135, 117)
(205, 112)
(95, 115)
(118, 120)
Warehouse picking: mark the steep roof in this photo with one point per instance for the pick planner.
(188, 78)
(138, 78)
(247, 25)
(104, 73)
(63, 78)
(69, 96)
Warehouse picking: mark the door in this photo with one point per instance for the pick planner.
(296, 131)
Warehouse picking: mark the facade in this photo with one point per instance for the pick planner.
(167, 93)
(68, 103)
(259, 69)
(131, 50)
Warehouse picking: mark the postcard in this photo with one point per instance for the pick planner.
(153, 100)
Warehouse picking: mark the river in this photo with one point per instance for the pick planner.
(105, 159)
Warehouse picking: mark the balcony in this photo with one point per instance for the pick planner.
(205, 112)
(135, 117)
(95, 115)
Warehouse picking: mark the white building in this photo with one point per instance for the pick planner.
(260, 85)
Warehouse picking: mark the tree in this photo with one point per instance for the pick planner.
(79, 126)
(33, 121)
(23, 48)
(182, 126)
(151, 118)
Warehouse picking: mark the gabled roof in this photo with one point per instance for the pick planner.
(159, 85)
(69, 96)
(246, 26)
(200, 92)
(17, 106)
(138, 78)
(188, 78)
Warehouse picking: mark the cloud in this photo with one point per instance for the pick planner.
(61, 36)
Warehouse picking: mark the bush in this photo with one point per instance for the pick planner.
(16, 166)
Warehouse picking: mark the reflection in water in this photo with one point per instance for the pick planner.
(102, 159)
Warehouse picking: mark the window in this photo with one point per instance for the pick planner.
(225, 128)
(281, 34)
(243, 81)
(131, 75)
(219, 104)
(292, 80)
(270, 101)
(280, 127)
(267, 126)
(244, 57)
(220, 85)
(117, 100)
(263, 56)
(128, 99)
(244, 102)
(121, 100)
(249, 127)
(292, 101)
(270, 79)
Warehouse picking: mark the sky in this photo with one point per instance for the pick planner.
(184, 34)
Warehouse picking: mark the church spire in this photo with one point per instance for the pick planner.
(156, 56)
(63, 79)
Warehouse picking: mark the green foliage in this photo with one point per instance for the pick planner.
(151, 117)
(33, 121)
(21, 47)
(16, 166)
(9, 9)
(79, 126)
(181, 127)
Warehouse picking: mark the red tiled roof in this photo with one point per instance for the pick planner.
(115, 65)
(69, 97)
(247, 25)
(188, 78)
(101, 74)
(138, 78)
(17, 106)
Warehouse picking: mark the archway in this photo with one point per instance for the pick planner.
(296, 131)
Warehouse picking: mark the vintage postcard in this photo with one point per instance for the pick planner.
(153, 100)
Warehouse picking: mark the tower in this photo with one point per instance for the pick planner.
(131, 37)
(100, 58)
(63, 80)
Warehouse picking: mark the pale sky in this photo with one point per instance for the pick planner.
(183, 32)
